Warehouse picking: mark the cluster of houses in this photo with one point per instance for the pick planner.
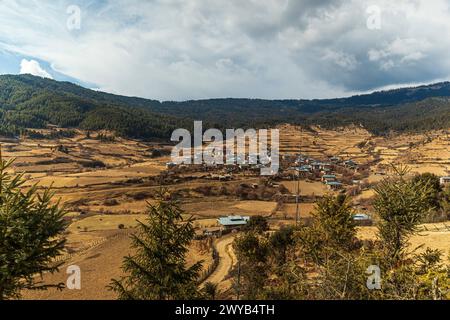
(330, 180)
(309, 165)
(305, 165)
(235, 167)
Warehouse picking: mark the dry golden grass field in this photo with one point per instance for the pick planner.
(105, 185)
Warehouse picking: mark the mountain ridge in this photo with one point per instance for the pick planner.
(28, 101)
(402, 93)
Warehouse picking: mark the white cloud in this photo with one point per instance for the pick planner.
(343, 60)
(33, 67)
(190, 49)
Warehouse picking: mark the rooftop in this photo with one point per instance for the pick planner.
(233, 220)
(361, 216)
(334, 183)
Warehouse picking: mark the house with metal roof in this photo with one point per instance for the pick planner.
(305, 168)
(335, 159)
(328, 178)
(171, 165)
(334, 185)
(362, 219)
(233, 222)
(350, 164)
(316, 165)
(361, 216)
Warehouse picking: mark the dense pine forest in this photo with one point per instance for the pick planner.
(32, 102)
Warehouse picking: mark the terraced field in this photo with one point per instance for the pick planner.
(324, 143)
(422, 152)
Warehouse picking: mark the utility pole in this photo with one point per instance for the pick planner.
(297, 210)
(239, 280)
(297, 217)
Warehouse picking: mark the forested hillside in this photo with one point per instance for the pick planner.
(32, 102)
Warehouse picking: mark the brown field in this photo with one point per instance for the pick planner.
(432, 235)
(305, 210)
(97, 246)
(225, 207)
(306, 188)
(107, 184)
(99, 265)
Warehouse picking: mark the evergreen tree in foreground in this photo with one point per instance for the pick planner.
(157, 270)
(332, 231)
(30, 235)
(401, 204)
(334, 221)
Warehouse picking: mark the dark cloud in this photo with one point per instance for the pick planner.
(189, 49)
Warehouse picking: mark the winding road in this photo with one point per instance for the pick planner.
(226, 261)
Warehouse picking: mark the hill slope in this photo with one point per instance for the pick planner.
(32, 102)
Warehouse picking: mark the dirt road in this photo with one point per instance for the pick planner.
(226, 260)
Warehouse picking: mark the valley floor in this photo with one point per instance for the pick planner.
(107, 185)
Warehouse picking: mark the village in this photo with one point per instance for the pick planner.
(107, 184)
(298, 167)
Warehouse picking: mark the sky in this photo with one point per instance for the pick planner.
(198, 49)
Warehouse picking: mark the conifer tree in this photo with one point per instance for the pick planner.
(252, 251)
(157, 270)
(401, 205)
(334, 220)
(332, 230)
(30, 235)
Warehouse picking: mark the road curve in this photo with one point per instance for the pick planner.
(226, 261)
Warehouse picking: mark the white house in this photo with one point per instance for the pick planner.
(233, 222)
